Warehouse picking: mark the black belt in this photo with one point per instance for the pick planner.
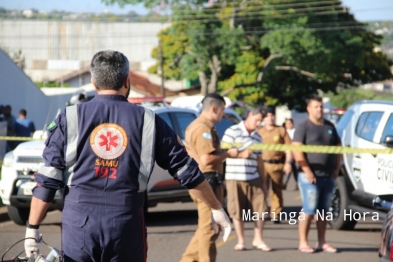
(274, 161)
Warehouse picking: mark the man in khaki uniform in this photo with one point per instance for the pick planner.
(276, 163)
(203, 144)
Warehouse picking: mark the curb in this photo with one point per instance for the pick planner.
(3, 214)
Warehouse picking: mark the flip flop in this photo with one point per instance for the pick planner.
(327, 249)
(239, 247)
(263, 247)
(307, 250)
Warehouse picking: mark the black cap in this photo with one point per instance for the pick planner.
(214, 96)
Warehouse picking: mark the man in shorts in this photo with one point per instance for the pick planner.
(244, 180)
(317, 173)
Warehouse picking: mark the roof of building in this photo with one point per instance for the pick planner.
(145, 86)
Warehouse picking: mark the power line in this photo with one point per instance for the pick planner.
(256, 30)
(262, 11)
(255, 10)
(263, 5)
(248, 17)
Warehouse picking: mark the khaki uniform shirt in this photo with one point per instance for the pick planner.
(277, 135)
(201, 139)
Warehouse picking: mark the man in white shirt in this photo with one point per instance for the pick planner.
(244, 179)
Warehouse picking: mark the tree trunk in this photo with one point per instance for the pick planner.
(203, 81)
(215, 69)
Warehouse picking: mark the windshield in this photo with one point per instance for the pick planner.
(227, 121)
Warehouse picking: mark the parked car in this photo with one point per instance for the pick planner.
(19, 166)
(334, 115)
(365, 183)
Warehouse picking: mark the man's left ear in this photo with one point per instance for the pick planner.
(127, 83)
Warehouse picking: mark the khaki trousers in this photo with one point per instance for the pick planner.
(274, 173)
(202, 247)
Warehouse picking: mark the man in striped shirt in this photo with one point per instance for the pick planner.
(243, 175)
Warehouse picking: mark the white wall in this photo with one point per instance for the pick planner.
(45, 42)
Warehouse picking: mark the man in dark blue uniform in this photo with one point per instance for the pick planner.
(102, 153)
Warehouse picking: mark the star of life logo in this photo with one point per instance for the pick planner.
(108, 141)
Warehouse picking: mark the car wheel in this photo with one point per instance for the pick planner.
(18, 215)
(340, 203)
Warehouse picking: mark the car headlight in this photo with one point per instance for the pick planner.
(8, 160)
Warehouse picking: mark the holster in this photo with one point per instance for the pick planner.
(214, 179)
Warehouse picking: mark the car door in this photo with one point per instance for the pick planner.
(345, 131)
(162, 185)
(367, 127)
(384, 167)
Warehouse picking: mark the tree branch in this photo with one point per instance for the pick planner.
(293, 68)
(286, 68)
(268, 60)
(259, 78)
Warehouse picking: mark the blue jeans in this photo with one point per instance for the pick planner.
(316, 196)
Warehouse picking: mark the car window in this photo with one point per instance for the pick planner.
(360, 123)
(183, 120)
(370, 125)
(344, 121)
(167, 119)
(227, 121)
(388, 131)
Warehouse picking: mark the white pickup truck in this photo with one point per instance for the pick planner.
(365, 184)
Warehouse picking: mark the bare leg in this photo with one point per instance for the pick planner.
(239, 229)
(258, 239)
(304, 228)
(258, 229)
(321, 229)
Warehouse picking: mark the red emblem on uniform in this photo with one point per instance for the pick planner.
(108, 141)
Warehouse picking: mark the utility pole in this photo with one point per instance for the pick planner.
(162, 69)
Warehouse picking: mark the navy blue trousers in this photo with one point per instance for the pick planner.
(103, 227)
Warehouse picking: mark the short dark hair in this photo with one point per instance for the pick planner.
(109, 69)
(289, 119)
(23, 112)
(314, 98)
(212, 99)
(268, 109)
(258, 110)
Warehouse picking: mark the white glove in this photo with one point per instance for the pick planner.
(221, 218)
(31, 245)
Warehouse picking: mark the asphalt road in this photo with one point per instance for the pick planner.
(171, 226)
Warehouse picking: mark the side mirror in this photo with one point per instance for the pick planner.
(389, 141)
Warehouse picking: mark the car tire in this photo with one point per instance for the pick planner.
(18, 214)
(340, 203)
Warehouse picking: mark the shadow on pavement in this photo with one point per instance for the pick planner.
(172, 218)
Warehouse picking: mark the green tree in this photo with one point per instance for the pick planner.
(272, 52)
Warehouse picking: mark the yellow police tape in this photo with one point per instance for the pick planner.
(272, 147)
(19, 138)
(313, 149)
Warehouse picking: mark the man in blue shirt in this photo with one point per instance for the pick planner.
(102, 153)
(22, 126)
